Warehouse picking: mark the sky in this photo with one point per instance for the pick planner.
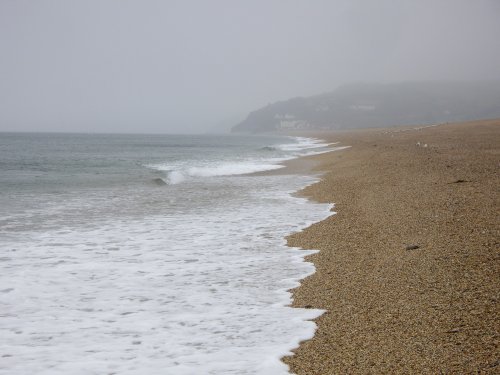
(167, 66)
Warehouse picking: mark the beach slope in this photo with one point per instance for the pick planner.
(408, 269)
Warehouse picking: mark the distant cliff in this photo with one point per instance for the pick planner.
(377, 105)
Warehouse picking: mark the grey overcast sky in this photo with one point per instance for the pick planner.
(187, 66)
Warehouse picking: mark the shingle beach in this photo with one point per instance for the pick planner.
(408, 269)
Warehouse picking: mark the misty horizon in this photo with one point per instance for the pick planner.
(194, 67)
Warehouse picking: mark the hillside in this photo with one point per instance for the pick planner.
(374, 105)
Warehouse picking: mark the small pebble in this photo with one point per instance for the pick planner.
(412, 247)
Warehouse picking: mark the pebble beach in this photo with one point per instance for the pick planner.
(408, 270)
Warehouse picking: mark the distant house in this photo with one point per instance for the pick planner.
(293, 125)
(289, 122)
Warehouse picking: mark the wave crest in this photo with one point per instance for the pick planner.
(276, 154)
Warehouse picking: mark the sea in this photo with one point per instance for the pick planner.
(151, 254)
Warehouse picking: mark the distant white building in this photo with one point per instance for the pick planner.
(289, 122)
(293, 125)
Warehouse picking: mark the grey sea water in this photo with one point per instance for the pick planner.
(150, 254)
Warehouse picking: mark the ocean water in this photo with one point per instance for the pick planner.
(150, 254)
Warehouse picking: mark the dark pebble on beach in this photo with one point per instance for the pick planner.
(412, 247)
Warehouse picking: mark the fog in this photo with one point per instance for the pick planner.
(197, 66)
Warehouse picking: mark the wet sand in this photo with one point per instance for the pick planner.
(390, 308)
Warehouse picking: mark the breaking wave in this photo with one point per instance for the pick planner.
(271, 159)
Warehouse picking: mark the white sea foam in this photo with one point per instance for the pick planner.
(230, 169)
(175, 177)
(182, 279)
(303, 143)
(181, 294)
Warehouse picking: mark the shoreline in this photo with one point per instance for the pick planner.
(390, 308)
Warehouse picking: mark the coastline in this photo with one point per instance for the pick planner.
(390, 309)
